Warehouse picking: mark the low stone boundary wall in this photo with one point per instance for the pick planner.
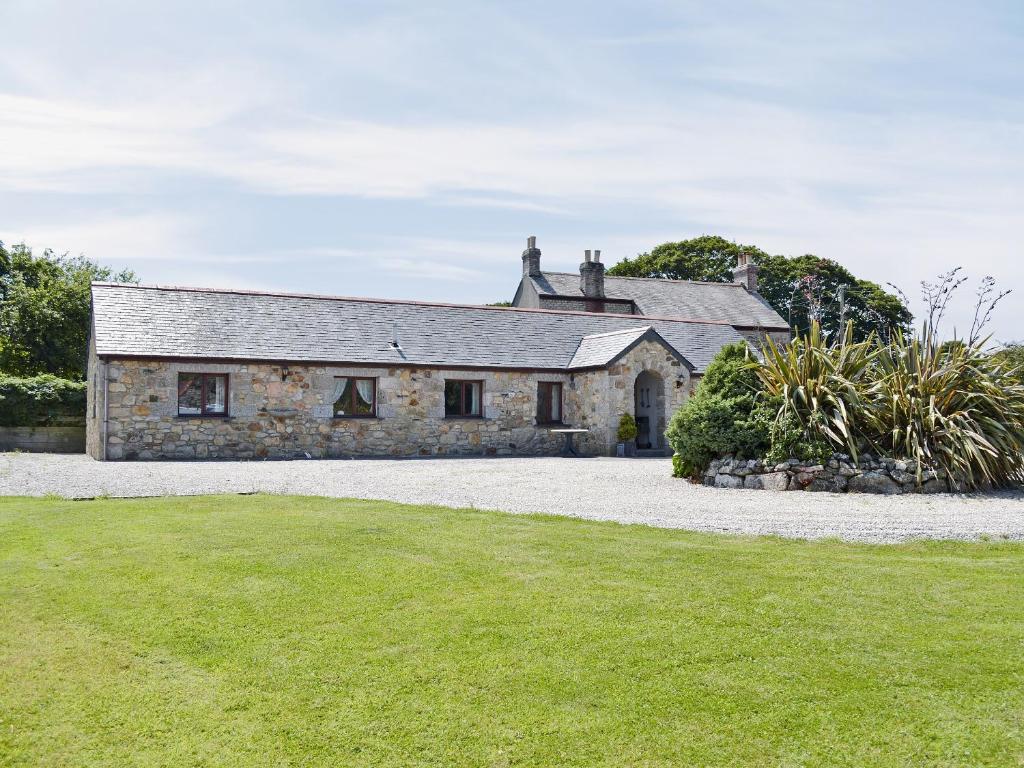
(838, 475)
(43, 439)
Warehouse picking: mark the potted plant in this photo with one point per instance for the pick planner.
(627, 436)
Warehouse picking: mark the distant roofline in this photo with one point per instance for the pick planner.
(410, 302)
(656, 279)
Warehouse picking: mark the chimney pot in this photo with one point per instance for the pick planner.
(592, 276)
(746, 272)
(531, 258)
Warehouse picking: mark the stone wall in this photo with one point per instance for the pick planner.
(572, 304)
(676, 386)
(838, 475)
(756, 337)
(279, 411)
(43, 439)
(286, 412)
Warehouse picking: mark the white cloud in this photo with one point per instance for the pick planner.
(111, 238)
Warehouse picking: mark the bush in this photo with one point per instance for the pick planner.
(724, 415)
(951, 407)
(40, 401)
(627, 428)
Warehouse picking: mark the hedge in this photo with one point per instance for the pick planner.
(41, 401)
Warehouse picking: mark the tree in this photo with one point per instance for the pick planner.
(807, 288)
(708, 258)
(801, 289)
(44, 310)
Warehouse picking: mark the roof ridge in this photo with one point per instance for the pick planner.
(411, 302)
(643, 328)
(654, 279)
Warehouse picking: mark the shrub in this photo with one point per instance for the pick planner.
(951, 406)
(40, 401)
(820, 387)
(628, 429)
(723, 416)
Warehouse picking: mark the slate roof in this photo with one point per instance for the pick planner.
(170, 322)
(600, 349)
(721, 302)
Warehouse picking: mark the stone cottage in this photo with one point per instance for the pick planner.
(181, 373)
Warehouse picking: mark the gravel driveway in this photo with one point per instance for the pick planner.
(625, 490)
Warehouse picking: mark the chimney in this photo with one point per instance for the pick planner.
(592, 276)
(531, 258)
(746, 272)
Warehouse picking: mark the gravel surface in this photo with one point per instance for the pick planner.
(625, 490)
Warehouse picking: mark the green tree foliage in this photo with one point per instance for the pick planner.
(805, 289)
(44, 311)
(708, 258)
(1011, 358)
(801, 289)
(723, 415)
(40, 401)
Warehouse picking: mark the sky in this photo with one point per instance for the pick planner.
(407, 150)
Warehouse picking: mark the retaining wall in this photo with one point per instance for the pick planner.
(840, 474)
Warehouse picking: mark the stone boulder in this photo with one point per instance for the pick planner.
(728, 481)
(774, 481)
(828, 482)
(874, 482)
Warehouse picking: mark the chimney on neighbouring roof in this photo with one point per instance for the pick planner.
(746, 272)
(531, 258)
(592, 276)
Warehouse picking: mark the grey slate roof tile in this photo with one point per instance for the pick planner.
(153, 321)
(600, 349)
(723, 302)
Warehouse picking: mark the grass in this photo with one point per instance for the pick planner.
(273, 631)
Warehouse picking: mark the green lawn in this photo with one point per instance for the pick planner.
(260, 630)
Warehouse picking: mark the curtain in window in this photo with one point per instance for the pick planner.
(340, 387)
(474, 399)
(364, 388)
(556, 402)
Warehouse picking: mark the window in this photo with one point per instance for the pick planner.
(549, 402)
(462, 398)
(202, 394)
(355, 398)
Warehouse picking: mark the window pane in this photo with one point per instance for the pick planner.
(364, 397)
(190, 394)
(216, 390)
(453, 398)
(472, 398)
(556, 402)
(343, 405)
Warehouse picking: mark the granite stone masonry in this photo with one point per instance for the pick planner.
(278, 411)
(840, 474)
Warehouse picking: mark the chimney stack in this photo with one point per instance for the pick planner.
(592, 276)
(745, 272)
(531, 258)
